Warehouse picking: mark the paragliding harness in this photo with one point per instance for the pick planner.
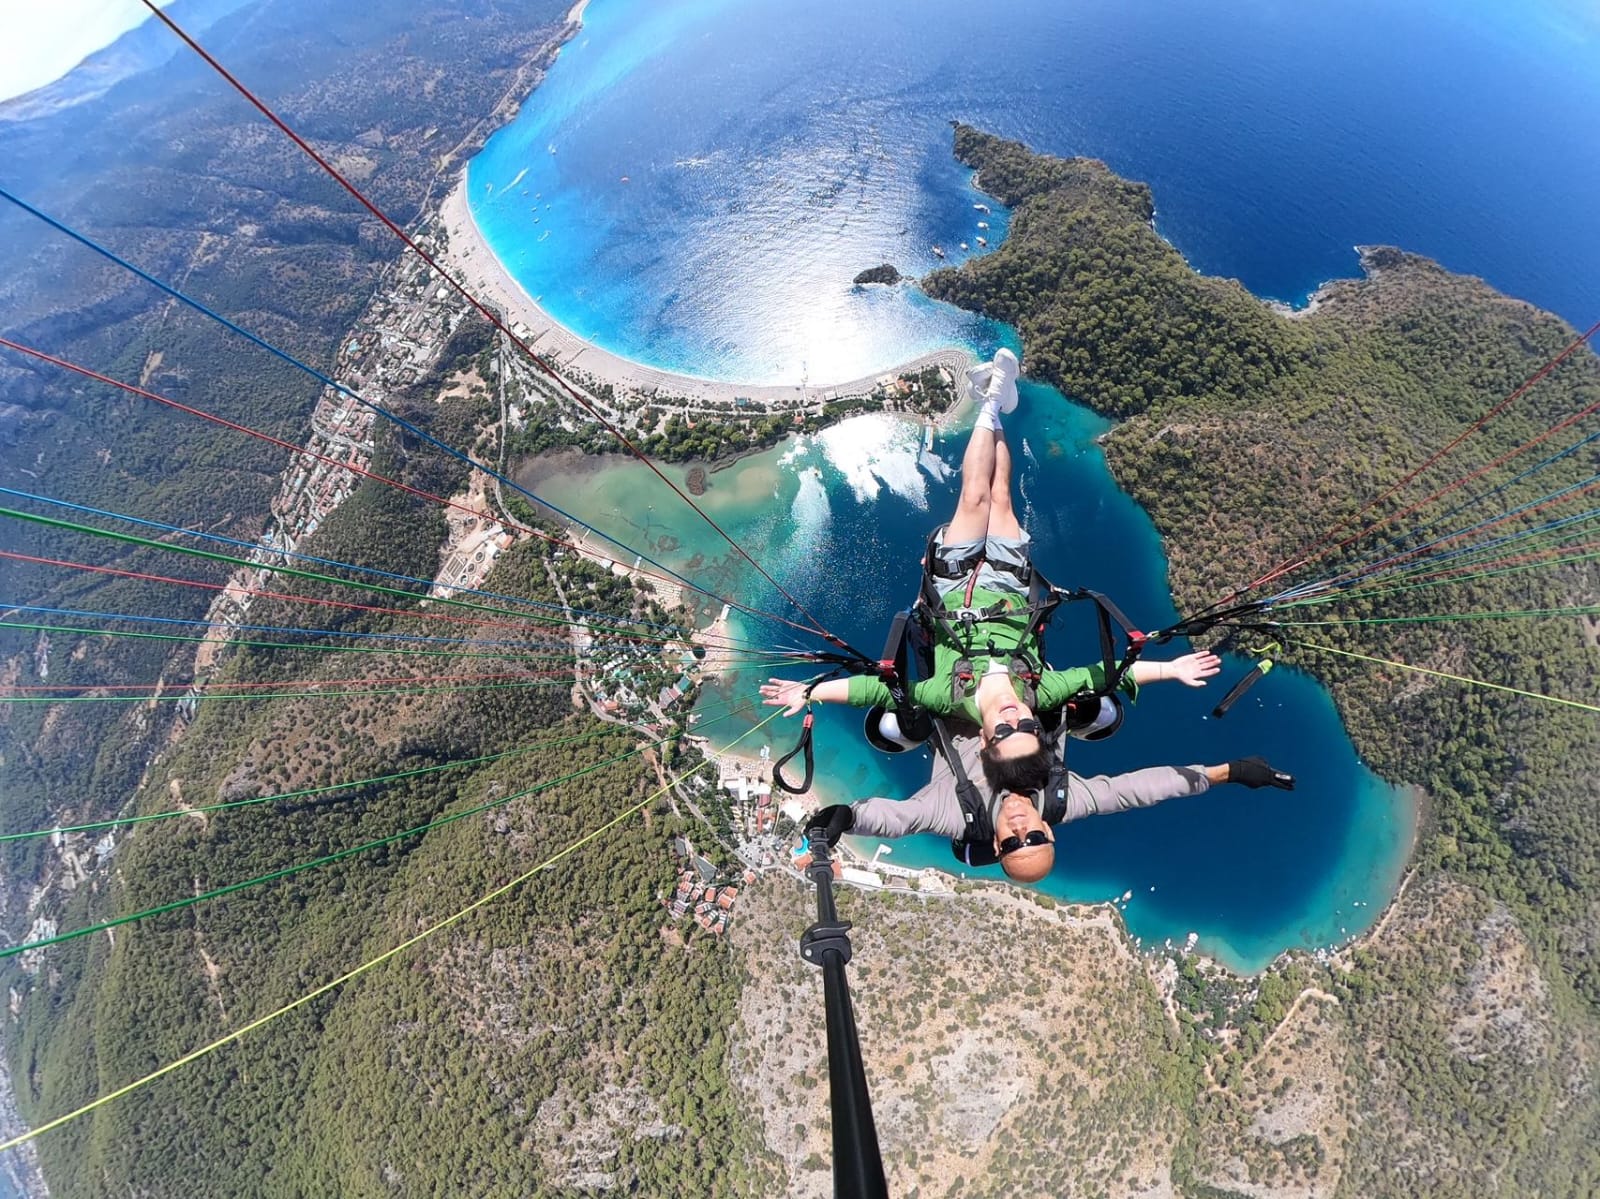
(965, 629)
(1092, 714)
(912, 637)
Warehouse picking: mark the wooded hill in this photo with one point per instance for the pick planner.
(174, 171)
(1248, 435)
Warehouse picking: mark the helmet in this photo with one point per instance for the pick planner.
(1092, 717)
(886, 732)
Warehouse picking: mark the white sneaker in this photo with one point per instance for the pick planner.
(978, 381)
(1001, 385)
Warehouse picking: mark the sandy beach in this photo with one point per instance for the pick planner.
(475, 266)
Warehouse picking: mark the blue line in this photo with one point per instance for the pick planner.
(285, 630)
(1399, 540)
(373, 570)
(1470, 529)
(1482, 547)
(84, 240)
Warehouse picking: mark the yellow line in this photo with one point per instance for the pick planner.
(1344, 653)
(347, 976)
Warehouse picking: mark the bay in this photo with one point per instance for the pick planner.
(695, 185)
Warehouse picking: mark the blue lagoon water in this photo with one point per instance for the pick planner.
(695, 186)
(841, 519)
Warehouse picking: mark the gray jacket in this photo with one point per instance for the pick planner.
(935, 808)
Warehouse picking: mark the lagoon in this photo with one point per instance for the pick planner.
(841, 519)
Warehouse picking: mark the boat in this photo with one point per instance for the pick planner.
(983, 224)
(938, 252)
(964, 246)
(983, 241)
(983, 208)
(544, 235)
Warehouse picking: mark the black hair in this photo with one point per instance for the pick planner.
(1027, 773)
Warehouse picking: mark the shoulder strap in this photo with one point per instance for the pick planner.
(979, 828)
(1053, 799)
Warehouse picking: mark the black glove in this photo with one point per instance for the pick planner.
(1254, 772)
(831, 823)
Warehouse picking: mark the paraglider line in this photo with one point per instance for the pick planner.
(341, 389)
(370, 964)
(1456, 678)
(488, 314)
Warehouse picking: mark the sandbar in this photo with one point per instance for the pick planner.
(470, 259)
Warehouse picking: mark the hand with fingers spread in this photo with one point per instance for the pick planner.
(788, 694)
(1192, 670)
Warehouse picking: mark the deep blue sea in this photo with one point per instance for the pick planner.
(694, 186)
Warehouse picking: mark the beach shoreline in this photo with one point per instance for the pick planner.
(472, 261)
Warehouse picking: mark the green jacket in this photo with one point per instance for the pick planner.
(1010, 635)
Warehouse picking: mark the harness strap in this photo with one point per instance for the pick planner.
(803, 746)
(1106, 611)
(975, 813)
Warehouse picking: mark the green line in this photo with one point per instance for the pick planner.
(121, 821)
(294, 572)
(1531, 612)
(177, 699)
(331, 649)
(1531, 540)
(287, 871)
(97, 825)
(181, 697)
(1457, 678)
(1483, 574)
(354, 972)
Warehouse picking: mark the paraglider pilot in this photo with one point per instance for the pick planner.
(987, 672)
(1023, 828)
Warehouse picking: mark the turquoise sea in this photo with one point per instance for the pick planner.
(695, 184)
(694, 187)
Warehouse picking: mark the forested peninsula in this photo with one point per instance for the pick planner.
(1249, 433)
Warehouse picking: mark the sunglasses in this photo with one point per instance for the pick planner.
(1002, 731)
(1011, 844)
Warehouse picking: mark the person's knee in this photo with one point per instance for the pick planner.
(974, 500)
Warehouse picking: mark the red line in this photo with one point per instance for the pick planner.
(168, 688)
(334, 462)
(302, 599)
(1390, 561)
(309, 599)
(489, 315)
(1319, 549)
(1531, 556)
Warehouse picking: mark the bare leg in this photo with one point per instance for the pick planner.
(971, 521)
(1002, 516)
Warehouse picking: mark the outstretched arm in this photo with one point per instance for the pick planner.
(1192, 670)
